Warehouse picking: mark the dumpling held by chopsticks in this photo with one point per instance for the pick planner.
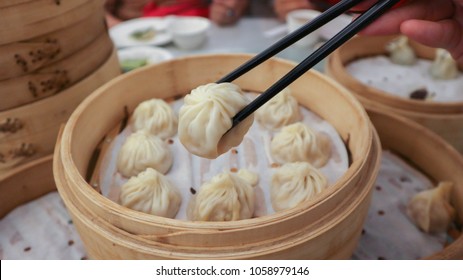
(206, 117)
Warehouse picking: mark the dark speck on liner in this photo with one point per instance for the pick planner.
(405, 179)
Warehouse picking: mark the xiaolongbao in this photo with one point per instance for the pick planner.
(150, 192)
(207, 115)
(279, 111)
(156, 116)
(297, 142)
(431, 210)
(295, 183)
(444, 67)
(226, 197)
(400, 52)
(142, 150)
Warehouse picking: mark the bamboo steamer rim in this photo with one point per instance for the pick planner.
(12, 195)
(442, 153)
(364, 46)
(73, 175)
(375, 106)
(130, 242)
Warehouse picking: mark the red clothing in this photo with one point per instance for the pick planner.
(193, 8)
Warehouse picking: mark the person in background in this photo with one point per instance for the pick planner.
(283, 7)
(120, 10)
(225, 12)
(222, 12)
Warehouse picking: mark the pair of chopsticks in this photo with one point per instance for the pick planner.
(345, 34)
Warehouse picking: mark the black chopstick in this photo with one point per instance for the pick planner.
(290, 39)
(345, 34)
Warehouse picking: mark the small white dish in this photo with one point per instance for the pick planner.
(330, 29)
(125, 33)
(189, 32)
(296, 19)
(135, 57)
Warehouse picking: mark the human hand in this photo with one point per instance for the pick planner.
(438, 24)
(283, 7)
(224, 12)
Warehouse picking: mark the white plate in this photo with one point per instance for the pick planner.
(121, 33)
(153, 55)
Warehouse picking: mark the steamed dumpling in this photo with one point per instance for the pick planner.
(295, 183)
(156, 116)
(142, 150)
(207, 115)
(297, 142)
(150, 192)
(400, 52)
(444, 67)
(226, 197)
(431, 210)
(279, 111)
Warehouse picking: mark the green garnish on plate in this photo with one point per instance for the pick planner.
(143, 34)
(131, 64)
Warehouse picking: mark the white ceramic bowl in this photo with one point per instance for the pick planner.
(189, 32)
(297, 18)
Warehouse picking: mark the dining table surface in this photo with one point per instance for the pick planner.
(249, 35)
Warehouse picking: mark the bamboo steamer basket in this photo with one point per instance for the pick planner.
(24, 57)
(445, 118)
(328, 227)
(25, 183)
(30, 19)
(431, 154)
(8, 3)
(34, 11)
(29, 132)
(57, 77)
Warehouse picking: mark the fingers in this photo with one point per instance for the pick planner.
(425, 10)
(443, 34)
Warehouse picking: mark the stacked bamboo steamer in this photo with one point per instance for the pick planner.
(444, 118)
(53, 53)
(327, 227)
